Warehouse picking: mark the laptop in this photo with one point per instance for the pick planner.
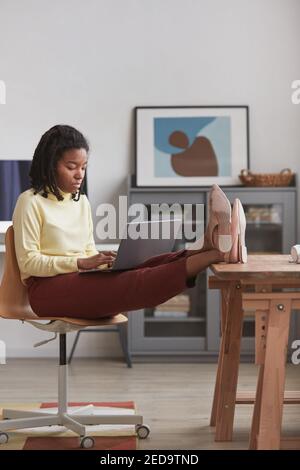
(133, 252)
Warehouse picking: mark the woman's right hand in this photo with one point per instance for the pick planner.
(93, 262)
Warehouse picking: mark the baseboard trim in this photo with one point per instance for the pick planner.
(209, 358)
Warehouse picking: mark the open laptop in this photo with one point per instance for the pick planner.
(133, 252)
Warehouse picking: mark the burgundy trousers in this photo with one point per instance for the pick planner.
(97, 295)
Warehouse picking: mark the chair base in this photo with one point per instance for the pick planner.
(74, 419)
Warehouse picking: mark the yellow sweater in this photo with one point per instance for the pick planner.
(50, 235)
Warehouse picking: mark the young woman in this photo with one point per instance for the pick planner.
(54, 240)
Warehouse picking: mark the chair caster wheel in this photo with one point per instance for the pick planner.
(87, 442)
(142, 431)
(3, 438)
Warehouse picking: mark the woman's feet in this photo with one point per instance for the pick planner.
(226, 229)
(238, 252)
(218, 232)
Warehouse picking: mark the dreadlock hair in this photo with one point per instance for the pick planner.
(48, 152)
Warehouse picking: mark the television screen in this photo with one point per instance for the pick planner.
(14, 179)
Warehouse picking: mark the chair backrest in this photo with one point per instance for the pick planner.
(13, 294)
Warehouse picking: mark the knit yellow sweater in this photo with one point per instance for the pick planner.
(50, 235)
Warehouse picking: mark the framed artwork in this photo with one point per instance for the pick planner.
(191, 145)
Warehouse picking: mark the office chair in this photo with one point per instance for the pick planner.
(14, 305)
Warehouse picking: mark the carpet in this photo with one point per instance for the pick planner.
(107, 437)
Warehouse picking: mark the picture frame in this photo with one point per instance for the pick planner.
(191, 145)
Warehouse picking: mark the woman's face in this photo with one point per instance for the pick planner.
(70, 170)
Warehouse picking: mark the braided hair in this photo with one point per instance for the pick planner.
(48, 152)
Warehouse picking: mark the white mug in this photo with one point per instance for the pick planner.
(295, 253)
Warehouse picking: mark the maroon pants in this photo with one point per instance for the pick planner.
(103, 294)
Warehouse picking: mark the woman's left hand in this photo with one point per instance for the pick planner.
(109, 253)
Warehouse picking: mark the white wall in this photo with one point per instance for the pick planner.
(89, 63)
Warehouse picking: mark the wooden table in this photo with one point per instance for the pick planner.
(251, 286)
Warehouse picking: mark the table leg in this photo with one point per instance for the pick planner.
(256, 410)
(261, 325)
(230, 362)
(261, 329)
(213, 417)
(271, 390)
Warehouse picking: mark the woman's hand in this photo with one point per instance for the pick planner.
(104, 257)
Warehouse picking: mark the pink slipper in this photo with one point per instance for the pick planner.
(238, 252)
(220, 217)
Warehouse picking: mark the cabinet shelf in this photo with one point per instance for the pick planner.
(266, 226)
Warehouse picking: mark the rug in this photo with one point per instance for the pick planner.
(107, 437)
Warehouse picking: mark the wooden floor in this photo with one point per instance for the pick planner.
(175, 399)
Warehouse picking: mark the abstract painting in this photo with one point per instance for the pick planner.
(191, 146)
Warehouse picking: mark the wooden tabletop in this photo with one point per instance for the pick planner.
(260, 267)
